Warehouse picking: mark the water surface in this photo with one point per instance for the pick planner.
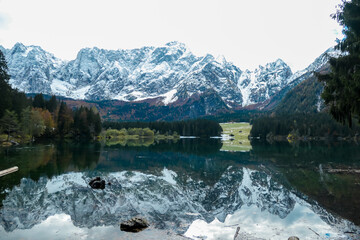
(189, 187)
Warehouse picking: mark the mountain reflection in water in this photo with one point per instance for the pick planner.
(188, 187)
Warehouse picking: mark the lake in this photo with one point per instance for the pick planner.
(185, 188)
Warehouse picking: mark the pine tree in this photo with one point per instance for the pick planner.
(39, 101)
(9, 123)
(19, 101)
(51, 105)
(342, 86)
(65, 120)
(5, 89)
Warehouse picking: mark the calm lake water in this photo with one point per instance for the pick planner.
(188, 188)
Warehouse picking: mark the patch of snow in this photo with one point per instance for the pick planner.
(137, 94)
(61, 88)
(169, 176)
(62, 182)
(80, 93)
(169, 97)
(162, 67)
(28, 50)
(319, 103)
(221, 59)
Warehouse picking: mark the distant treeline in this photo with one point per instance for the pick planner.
(238, 116)
(48, 118)
(301, 125)
(198, 127)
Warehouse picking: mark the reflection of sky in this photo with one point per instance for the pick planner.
(60, 226)
(301, 222)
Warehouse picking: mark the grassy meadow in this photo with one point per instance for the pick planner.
(240, 141)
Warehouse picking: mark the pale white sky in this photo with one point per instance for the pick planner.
(246, 32)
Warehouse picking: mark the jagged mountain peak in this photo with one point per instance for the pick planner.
(176, 44)
(168, 73)
(280, 62)
(221, 59)
(18, 47)
(277, 64)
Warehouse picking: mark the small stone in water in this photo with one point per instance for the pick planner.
(293, 238)
(134, 225)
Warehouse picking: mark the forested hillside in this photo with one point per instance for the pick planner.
(23, 118)
(300, 126)
(304, 98)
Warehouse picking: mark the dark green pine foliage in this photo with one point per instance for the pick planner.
(197, 127)
(342, 86)
(19, 101)
(39, 101)
(81, 127)
(301, 99)
(9, 123)
(65, 120)
(94, 121)
(87, 123)
(51, 105)
(304, 125)
(5, 89)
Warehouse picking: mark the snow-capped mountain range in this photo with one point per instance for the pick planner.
(170, 74)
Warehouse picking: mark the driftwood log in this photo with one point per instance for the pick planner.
(8, 171)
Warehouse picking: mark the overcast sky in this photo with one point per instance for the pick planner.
(247, 33)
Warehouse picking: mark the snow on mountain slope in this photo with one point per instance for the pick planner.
(264, 82)
(318, 65)
(31, 68)
(170, 72)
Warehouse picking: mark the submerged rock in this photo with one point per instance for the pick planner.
(293, 238)
(97, 183)
(134, 225)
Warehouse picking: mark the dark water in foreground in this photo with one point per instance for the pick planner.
(189, 187)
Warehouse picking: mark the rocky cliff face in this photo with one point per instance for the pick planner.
(170, 73)
(31, 68)
(318, 65)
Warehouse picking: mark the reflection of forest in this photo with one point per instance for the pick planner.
(49, 160)
(139, 142)
(198, 158)
(307, 168)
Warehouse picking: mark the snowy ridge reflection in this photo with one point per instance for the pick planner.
(169, 200)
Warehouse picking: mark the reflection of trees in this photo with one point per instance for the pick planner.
(305, 165)
(49, 160)
(199, 159)
(77, 156)
(139, 142)
(196, 146)
(306, 152)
